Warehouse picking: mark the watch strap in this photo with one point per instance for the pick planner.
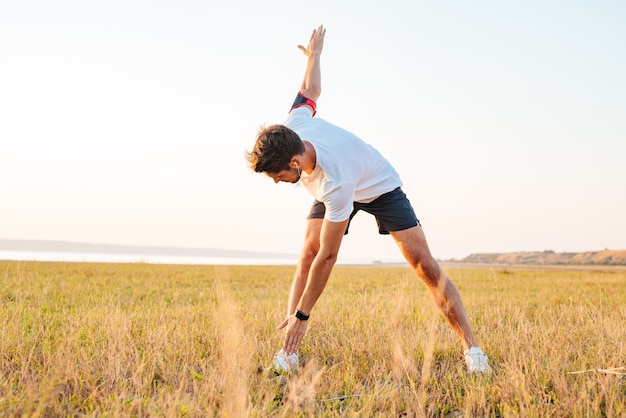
(301, 315)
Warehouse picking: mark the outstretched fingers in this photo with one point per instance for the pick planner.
(295, 332)
(316, 41)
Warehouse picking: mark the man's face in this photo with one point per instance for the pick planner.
(288, 176)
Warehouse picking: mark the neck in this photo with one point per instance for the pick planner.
(309, 158)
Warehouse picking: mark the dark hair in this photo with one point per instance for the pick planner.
(274, 148)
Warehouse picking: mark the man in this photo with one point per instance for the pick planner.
(345, 175)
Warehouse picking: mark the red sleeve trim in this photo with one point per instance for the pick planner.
(302, 100)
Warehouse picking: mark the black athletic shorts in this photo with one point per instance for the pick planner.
(392, 210)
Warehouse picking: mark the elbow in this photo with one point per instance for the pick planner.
(312, 92)
(316, 91)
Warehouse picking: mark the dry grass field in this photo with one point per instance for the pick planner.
(81, 339)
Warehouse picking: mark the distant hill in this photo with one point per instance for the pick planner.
(604, 257)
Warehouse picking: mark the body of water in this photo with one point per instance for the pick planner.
(90, 257)
(138, 258)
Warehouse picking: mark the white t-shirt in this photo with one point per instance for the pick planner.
(347, 169)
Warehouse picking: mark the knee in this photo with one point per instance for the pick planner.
(428, 271)
(309, 251)
(422, 262)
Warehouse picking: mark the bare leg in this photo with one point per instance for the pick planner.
(412, 243)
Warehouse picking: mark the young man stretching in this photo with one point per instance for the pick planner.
(345, 175)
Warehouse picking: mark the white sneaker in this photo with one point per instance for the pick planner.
(284, 363)
(477, 360)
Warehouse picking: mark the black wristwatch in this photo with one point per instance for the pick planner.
(301, 315)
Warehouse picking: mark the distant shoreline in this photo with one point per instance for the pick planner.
(63, 251)
(236, 262)
(42, 250)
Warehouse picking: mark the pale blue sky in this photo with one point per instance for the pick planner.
(125, 122)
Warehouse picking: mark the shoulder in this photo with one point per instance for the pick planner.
(299, 115)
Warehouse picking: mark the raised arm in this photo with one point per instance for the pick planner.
(312, 82)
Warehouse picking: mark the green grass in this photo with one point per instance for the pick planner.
(81, 339)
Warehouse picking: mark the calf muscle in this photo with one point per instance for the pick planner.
(413, 245)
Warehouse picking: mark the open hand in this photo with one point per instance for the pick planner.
(316, 43)
(295, 332)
